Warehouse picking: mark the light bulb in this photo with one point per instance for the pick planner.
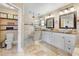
(72, 9)
(66, 11)
(61, 13)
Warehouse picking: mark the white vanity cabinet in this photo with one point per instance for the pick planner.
(51, 39)
(69, 42)
(62, 41)
(55, 39)
(45, 36)
(48, 37)
(70, 39)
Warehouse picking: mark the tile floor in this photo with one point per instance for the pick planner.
(35, 49)
(43, 49)
(8, 52)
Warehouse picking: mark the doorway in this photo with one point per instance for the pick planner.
(9, 42)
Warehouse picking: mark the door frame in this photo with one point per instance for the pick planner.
(20, 27)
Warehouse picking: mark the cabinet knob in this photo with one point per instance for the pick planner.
(69, 48)
(69, 41)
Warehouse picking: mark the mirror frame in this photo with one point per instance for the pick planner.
(75, 19)
(52, 22)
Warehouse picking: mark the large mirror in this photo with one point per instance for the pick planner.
(50, 23)
(68, 21)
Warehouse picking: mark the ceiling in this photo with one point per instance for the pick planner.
(38, 8)
(4, 7)
(41, 8)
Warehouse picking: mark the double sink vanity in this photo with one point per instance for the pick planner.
(66, 36)
(64, 41)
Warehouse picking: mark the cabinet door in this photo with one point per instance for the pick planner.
(70, 39)
(45, 36)
(48, 36)
(52, 40)
(69, 48)
(59, 40)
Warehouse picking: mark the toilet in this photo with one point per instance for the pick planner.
(9, 39)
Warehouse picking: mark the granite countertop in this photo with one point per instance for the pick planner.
(56, 31)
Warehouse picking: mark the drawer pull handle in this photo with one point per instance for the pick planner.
(69, 48)
(68, 41)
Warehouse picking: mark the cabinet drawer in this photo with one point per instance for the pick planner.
(72, 37)
(69, 48)
(70, 42)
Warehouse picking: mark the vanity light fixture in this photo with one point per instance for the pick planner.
(52, 15)
(72, 9)
(60, 12)
(49, 15)
(66, 10)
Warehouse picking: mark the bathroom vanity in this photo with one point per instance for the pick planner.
(60, 39)
(64, 41)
